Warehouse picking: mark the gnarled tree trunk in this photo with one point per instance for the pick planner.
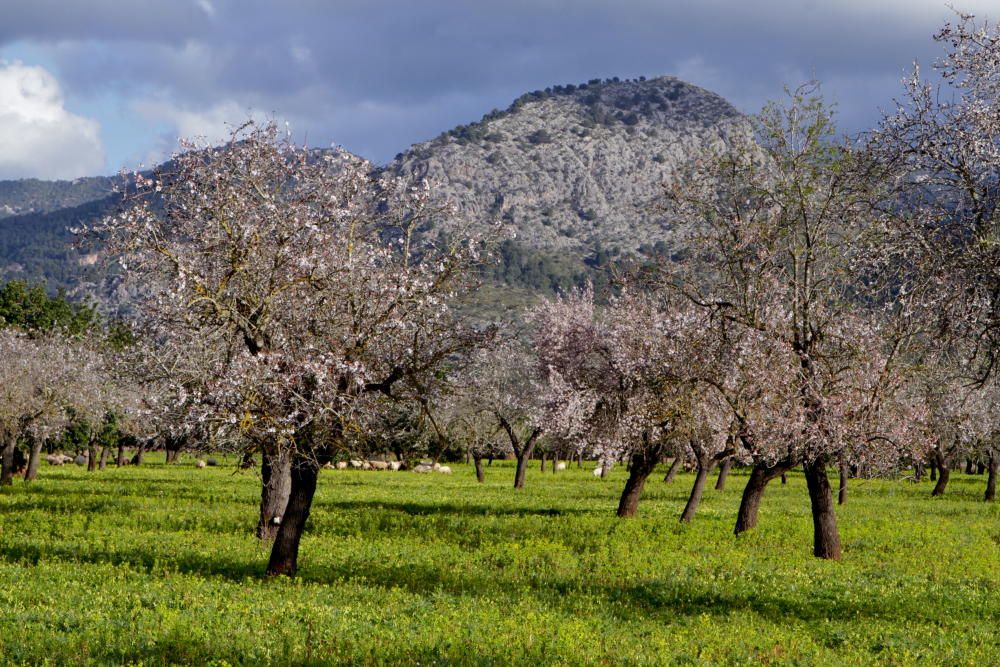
(991, 481)
(276, 483)
(7, 468)
(826, 538)
(521, 451)
(91, 457)
(696, 492)
(285, 550)
(642, 465)
(720, 483)
(672, 471)
(944, 472)
(753, 492)
(480, 471)
(104, 458)
(31, 472)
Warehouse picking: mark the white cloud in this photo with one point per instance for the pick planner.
(212, 125)
(38, 136)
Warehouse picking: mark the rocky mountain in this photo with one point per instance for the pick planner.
(578, 170)
(575, 173)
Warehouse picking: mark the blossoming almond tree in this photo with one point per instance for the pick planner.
(286, 286)
(774, 226)
(35, 385)
(503, 382)
(622, 384)
(940, 236)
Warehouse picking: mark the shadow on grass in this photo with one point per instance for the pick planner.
(414, 508)
(661, 599)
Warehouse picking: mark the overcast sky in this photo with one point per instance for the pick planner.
(90, 86)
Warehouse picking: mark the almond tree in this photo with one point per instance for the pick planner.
(33, 392)
(774, 227)
(503, 382)
(286, 287)
(621, 383)
(940, 235)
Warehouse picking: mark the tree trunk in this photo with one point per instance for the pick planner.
(720, 484)
(944, 472)
(694, 499)
(545, 457)
(555, 462)
(522, 468)
(579, 460)
(969, 469)
(285, 550)
(276, 481)
(933, 467)
(91, 457)
(480, 471)
(642, 466)
(104, 458)
(842, 491)
(120, 458)
(33, 458)
(826, 538)
(784, 479)
(753, 492)
(171, 455)
(522, 452)
(672, 471)
(7, 469)
(991, 481)
(918, 471)
(137, 457)
(980, 468)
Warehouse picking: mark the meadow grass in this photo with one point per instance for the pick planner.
(158, 565)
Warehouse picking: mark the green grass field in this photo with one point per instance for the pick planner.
(158, 565)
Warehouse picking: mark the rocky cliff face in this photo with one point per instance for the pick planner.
(577, 168)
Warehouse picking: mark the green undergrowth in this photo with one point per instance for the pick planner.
(158, 565)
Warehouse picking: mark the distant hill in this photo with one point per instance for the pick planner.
(578, 171)
(575, 173)
(30, 195)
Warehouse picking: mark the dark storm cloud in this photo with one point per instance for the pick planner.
(377, 76)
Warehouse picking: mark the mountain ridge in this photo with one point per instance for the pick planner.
(575, 173)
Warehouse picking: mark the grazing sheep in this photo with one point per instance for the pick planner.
(395, 465)
(366, 465)
(356, 463)
(329, 466)
(379, 465)
(445, 469)
(54, 459)
(423, 467)
(200, 464)
(80, 460)
(341, 465)
(598, 471)
(560, 466)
